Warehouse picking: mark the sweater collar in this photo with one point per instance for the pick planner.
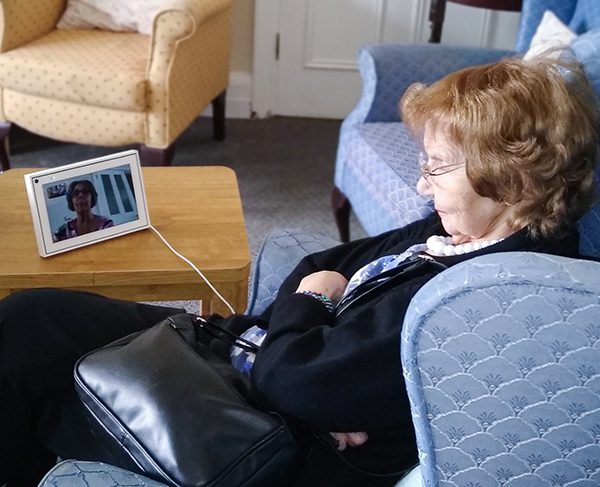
(521, 240)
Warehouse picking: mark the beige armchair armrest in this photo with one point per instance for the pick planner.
(22, 21)
(198, 11)
(179, 18)
(190, 43)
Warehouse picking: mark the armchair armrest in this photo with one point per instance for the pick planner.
(188, 64)
(22, 21)
(279, 253)
(75, 473)
(388, 69)
(486, 346)
(179, 18)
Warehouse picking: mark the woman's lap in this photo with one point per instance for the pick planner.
(42, 334)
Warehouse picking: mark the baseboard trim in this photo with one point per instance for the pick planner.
(239, 96)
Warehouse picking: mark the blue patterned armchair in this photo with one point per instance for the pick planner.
(376, 169)
(501, 356)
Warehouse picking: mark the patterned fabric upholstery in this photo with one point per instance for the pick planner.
(107, 88)
(51, 67)
(384, 195)
(281, 250)
(25, 20)
(501, 357)
(376, 166)
(75, 473)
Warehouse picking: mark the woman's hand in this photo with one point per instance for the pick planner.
(329, 283)
(349, 439)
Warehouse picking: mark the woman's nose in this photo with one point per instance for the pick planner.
(423, 187)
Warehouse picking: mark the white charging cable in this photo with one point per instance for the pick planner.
(191, 264)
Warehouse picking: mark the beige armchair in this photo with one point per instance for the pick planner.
(108, 88)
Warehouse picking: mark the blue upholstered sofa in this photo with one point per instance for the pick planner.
(376, 167)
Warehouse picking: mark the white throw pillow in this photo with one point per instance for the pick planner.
(550, 35)
(117, 15)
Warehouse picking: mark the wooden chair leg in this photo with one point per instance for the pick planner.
(218, 106)
(341, 212)
(152, 156)
(437, 12)
(4, 159)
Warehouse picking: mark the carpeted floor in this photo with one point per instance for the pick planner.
(284, 167)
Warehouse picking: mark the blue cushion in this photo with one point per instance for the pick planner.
(532, 14)
(589, 228)
(580, 15)
(586, 48)
(586, 16)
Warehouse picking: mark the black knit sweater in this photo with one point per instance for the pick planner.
(344, 373)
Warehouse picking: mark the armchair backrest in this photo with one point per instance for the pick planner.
(589, 226)
(589, 233)
(501, 357)
(580, 15)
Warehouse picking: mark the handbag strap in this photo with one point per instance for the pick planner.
(219, 332)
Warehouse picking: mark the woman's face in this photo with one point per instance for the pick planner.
(465, 215)
(81, 198)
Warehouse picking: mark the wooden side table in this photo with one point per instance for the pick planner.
(197, 209)
(437, 12)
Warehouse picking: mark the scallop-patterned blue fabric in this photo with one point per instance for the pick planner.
(501, 358)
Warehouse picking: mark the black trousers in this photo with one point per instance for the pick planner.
(42, 334)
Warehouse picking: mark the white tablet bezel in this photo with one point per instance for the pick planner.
(36, 181)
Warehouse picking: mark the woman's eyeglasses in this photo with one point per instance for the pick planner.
(83, 192)
(438, 171)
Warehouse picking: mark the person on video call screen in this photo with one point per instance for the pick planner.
(81, 198)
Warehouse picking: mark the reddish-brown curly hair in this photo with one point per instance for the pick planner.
(528, 131)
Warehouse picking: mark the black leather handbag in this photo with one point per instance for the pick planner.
(171, 409)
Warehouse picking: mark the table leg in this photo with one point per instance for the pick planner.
(237, 296)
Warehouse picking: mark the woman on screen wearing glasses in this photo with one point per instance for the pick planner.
(81, 198)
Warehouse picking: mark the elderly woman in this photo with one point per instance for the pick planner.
(509, 151)
(81, 198)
